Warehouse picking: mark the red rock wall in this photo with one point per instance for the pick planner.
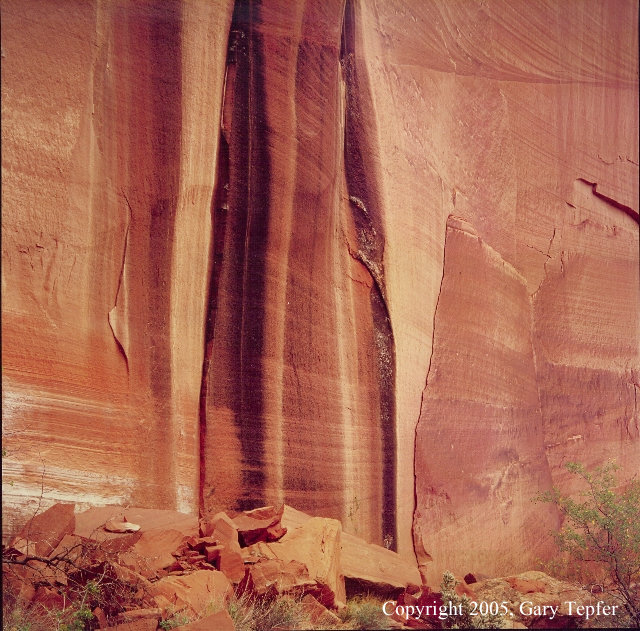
(110, 132)
(228, 276)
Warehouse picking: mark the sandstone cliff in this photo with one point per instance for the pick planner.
(378, 260)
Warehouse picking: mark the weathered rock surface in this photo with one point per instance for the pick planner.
(479, 474)
(526, 593)
(366, 567)
(317, 544)
(226, 262)
(199, 590)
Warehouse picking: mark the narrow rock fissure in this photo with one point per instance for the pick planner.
(433, 339)
(422, 555)
(616, 204)
(365, 208)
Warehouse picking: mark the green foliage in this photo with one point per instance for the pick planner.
(173, 621)
(462, 603)
(364, 613)
(252, 614)
(78, 620)
(603, 529)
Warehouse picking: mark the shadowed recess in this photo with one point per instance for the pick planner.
(361, 176)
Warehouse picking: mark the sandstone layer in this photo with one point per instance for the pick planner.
(377, 260)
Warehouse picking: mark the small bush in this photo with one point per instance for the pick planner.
(603, 530)
(174, 620)
(263, 614)
(364, 613)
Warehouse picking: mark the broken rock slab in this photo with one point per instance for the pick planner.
(199, 590)
(260, 524)
(372, 568)
(154, 547)
(137, 625)
(317, 544)
(318, 613)
(266, 576)
(45, 531)
(366, 567)
(220, 527)
(90, 523)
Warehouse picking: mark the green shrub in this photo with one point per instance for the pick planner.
(603, 529)
(263, 614)
(364, 613)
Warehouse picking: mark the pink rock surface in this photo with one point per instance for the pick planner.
(480, 473)
(224, 243)
(108, 170)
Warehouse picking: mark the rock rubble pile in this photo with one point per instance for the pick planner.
(150, 565)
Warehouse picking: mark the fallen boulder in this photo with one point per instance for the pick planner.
(219, 527)
(155, 547)
(367, 568)
(91, 523)
(317, 544)
(374, 569)
(136, 625)
(273, 576)
(318, 613)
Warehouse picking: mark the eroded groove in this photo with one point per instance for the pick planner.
(361, 177)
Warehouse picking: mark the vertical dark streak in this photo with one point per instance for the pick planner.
(165, 25)
(251, 419)
(361, 174)
(219, 207)
(243, 243)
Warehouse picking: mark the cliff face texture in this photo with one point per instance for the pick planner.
(376, 260)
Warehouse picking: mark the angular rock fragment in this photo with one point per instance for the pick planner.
(137, 625)
(230, 562)
(274, 576)
(43, 533)
(368, 567)
(261, 524)
(219, 527)
(197, 590)
(140, 614)
(121, 526)
(154, 547)
(470, 579)
(317, 545)
(89, 523)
